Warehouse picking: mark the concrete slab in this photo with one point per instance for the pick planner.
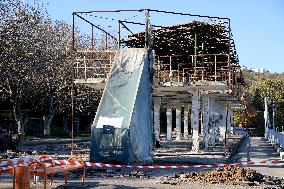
(95, 83)
(279, 150)
(281, 154)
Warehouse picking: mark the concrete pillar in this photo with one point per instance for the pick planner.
(212, 131)
(228, 122)
(201, 122)
(169, 120)
(231, 121)
(212, 123)
(195, 120)
(157, 105)
(178, 122)
(222, 117)
(205, 113)
(185, 121)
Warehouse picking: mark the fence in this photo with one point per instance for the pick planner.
(275, 137)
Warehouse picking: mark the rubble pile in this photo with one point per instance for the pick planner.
(179, 39)
(228, 175)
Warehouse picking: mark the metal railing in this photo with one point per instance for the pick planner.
(89, 66)
(203, 67)
(275, 137)
(85, 68)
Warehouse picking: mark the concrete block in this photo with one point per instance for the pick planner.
(281, 154)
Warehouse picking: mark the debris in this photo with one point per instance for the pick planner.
(228, 175)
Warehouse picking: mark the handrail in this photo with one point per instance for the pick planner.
(275, 137)
(211, 67)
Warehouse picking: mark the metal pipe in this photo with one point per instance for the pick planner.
(93, 51)
(171, 73)
(153, 10)
(198, 55)
(229, 54)
(85, 70)
(141, 24)
(106, 42)
(178, 72)
(215, 68)
(195, 52)
(72, 86)
(118, 40)
(203, 74)
(127, 28)
(96, 26)
(194, 15)
(159, 67)
(73, 32)
(72, 110)
(133, 10)
(77, 68)
(93, 42)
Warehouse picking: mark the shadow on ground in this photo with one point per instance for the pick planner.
(89, 185)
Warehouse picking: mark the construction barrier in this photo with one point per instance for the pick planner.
(102, 165)
(20, 162)
(22, 177)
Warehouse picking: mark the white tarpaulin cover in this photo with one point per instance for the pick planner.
(126, 107)
(115, 122)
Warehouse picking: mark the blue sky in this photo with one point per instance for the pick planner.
(257, 25)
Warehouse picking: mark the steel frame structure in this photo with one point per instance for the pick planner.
(122, 24)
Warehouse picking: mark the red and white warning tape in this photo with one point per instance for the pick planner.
(69, 162)
(90, 164)
(20, 162)
(103, 165)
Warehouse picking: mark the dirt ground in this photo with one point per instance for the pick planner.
(164, 179)
(115, 183)
(152, 178)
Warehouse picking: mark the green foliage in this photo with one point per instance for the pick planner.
(35, 64)
(259, 86)
(237, 120)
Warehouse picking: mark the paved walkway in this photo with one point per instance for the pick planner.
(259, 149)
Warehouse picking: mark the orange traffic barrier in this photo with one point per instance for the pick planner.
(22, 177)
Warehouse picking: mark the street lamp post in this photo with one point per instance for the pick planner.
(273, 115)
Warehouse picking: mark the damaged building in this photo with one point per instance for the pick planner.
(162, 86)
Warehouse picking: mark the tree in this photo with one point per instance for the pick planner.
(259, 86)
(20, 39)
(36, 64)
